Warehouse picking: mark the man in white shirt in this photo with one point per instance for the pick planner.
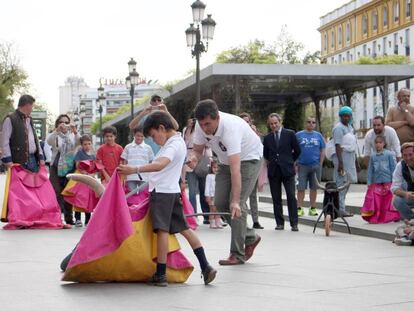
(392, 142)
(239, 151)
(137, 153)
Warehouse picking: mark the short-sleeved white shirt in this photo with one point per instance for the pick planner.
(137, 155)
(391, 139)
(167, 180)
(233, 136)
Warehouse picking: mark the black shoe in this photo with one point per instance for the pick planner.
(345, 214)
(70, 222)
(257, 225)
(280, 227)
(158, 280)
(295, 228)
(209, 274)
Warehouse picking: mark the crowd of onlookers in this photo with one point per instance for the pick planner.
(293, 160)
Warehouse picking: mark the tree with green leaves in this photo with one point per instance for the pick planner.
(12, 78)
(255, 52)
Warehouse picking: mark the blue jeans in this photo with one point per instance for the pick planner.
(348, 159)
(196, 183)
(404, 207)
(32, 165)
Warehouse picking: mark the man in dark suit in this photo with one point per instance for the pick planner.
(281, 149)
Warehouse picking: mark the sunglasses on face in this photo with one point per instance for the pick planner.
(66, 122)
(312, 122)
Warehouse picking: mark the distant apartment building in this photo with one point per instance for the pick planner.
(367, 28)
(76, 91)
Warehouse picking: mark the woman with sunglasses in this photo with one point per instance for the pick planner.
(63, 141)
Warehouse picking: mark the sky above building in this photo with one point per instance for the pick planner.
(95, 39)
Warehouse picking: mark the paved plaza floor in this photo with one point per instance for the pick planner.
(289, 271)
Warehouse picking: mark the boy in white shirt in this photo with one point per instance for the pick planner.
(137, 153)
(165, 203)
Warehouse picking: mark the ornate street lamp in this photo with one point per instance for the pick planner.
(101, 102)
(82, 114)
(131, 81)
(193, 37)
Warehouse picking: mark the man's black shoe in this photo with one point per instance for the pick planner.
(295, 228)
(257, 225)
(280, 227)
(345, 214)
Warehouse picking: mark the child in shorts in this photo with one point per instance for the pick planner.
(165, 202)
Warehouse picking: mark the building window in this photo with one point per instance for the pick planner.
(407, 42)
(340, 35)
(385, 17)
(374, 49)
(364, 24)
(332, 39)
(375, 20)
(395, 86)
(364, 50)
(384, 46)
(339, 58)
(325, 42)
(396, 43)
(407, 8)
(396, 11)
(348, 32)
(375, 91)
(407, 83)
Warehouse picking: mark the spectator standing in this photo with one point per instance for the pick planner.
(403, 183)
(239, 152)
(390, 135)
(312, 154)
(156, 103)
(109, 154)
(401, 117)
(377, 208)
(344, 157)
(137, 153)
(63, 141)
(254, 207)
(19, 143)
(196, 182)
(83, 154)
(281, 150)
(215, 221)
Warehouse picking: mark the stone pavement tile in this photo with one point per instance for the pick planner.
(288, 271)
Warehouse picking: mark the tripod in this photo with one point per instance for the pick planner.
(330, 207)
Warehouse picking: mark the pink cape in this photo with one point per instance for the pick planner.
(377, 208)
(112, 223)
(81, 196)
(31, 201)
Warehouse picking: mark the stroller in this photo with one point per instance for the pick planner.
(331, 205)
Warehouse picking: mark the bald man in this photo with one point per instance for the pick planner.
(401, 117)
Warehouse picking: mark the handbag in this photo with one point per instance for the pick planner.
(203, 166)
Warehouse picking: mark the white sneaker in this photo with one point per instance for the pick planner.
(219, 224)
(403, 241)
(213, 224)
(78, 223)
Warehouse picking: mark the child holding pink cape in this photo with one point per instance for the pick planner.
(165, 201)
(377, 206)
